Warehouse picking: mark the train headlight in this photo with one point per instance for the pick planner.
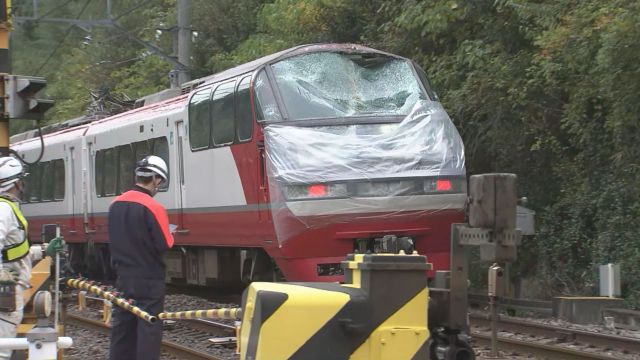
(452, 185)
(315, 191)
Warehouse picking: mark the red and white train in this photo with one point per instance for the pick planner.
(280, 166)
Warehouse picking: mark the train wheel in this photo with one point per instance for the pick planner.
(77, 258)
(93, 262)
(440, 348)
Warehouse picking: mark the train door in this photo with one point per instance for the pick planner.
(71, 175)
(179, 184)
(87, 185)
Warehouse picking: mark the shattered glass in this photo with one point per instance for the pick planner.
(330, 85)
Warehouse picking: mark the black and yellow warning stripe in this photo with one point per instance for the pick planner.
(225, 313)
(123, 303)
(380, 314)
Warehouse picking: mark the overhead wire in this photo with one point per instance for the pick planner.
(55, 49)
(52, 11)
(132, 9)
(64, 37)
(86, 4)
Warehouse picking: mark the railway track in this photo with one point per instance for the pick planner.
(194, 330)
(553, 342)
(537, 306)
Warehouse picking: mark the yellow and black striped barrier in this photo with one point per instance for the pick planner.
(379, 313)
(226, 313)
(85, 285)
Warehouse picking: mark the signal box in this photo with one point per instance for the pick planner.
(21, 97)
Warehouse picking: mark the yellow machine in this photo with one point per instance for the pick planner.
(380, 313)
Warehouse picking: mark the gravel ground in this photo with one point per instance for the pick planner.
(89, 344)
(92, 345)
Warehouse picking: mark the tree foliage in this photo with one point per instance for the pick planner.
(547, 89)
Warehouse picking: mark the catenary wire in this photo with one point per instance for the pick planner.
(64, 37)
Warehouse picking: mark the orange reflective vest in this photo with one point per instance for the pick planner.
(159, 213)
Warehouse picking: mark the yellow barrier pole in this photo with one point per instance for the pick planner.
(81, 284)
(226, 313)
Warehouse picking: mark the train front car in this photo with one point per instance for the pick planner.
(360, 156)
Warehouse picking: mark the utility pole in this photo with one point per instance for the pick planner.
(184, 42)
(5, 70)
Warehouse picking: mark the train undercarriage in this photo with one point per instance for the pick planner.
(222, 266)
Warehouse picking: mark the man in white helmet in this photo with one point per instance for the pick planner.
(139, 235)
(15, 270)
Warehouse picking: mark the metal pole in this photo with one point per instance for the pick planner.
(494, 326)
(57, 286)
(108, 9)
(57, 297)
(184, 40)
(5, 70)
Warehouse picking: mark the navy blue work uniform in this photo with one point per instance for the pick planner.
(139, 236)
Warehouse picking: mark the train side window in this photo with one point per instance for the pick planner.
(222, 115)
(110, 172)
(58, 175)
(99, 173)
(126, 166)
(141, 149)
(244, 117)
(46, 184)
(199, 124)
(34, 183)
(161, 149)
(265, 101)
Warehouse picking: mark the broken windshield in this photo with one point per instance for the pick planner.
(330, 85)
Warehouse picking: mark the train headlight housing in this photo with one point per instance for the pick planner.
(315, 191)
(445, 185)
(387, 188)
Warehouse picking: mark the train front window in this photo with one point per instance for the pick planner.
(335, 85)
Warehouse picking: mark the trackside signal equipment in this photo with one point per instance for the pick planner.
(21, 97)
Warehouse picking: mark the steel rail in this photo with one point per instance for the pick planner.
(541, 306)
(217, 328)
(180, 351)
(566, 335)
(546, 351)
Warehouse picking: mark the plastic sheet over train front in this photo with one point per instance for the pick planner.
(326, 174)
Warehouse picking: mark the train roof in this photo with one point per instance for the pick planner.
(147, 112)
(152, 111)
(294, 51)
(174, 104)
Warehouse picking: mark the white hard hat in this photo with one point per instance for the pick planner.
(152, 165)
(11, 170)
